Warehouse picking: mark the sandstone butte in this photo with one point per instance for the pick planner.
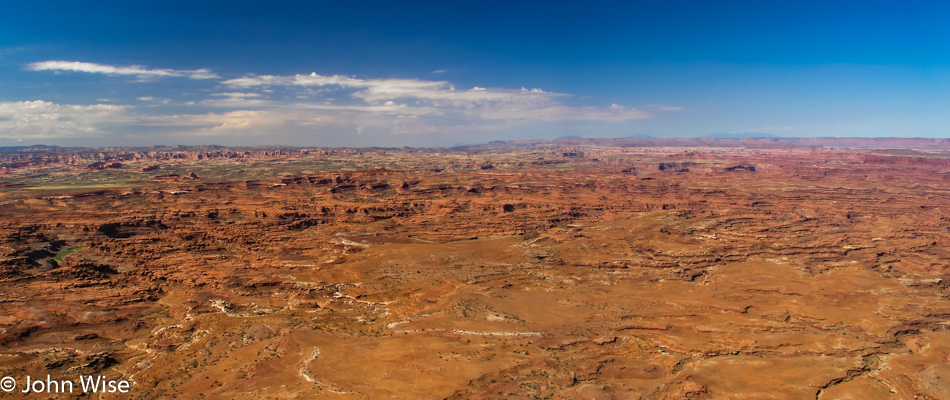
(588, 269)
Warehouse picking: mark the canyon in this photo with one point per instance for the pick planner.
(576, 268)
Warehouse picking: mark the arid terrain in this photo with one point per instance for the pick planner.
(627, 269)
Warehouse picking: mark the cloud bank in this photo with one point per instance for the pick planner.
(303, 105)
(44, 120)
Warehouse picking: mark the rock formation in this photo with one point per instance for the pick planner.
(566, 270)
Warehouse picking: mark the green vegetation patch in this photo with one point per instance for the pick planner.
(65, 252)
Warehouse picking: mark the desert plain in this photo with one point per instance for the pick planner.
(594, 269)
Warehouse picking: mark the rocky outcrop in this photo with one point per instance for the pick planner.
(564, 271)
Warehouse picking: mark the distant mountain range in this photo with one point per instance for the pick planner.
(642, 140)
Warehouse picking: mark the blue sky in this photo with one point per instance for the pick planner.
(440, 74)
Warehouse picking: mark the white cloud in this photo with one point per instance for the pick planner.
(556, 113)
(134, 70)
(248, 122)
(663, 107)
(238, 95)
(299, 80)
(477, 102)
(240, 104)
(41, 119)
(301, 105)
